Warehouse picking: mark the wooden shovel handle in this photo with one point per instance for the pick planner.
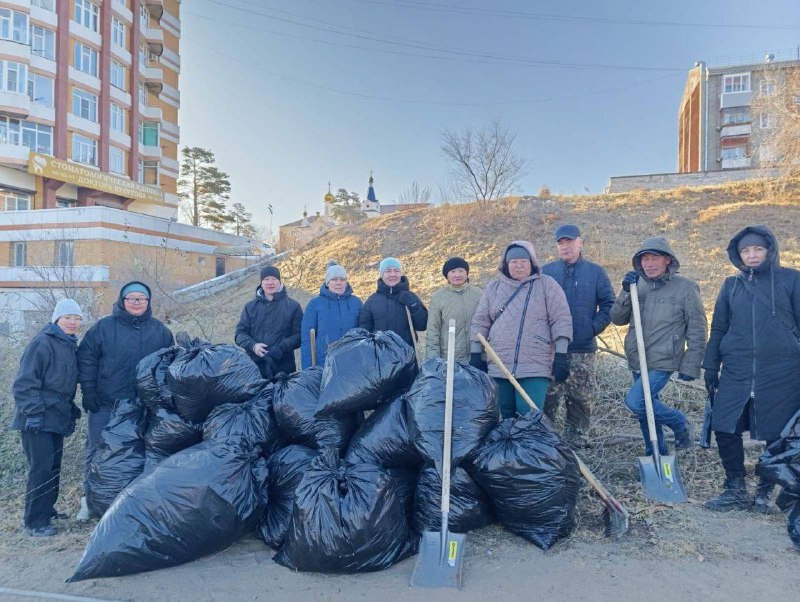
(313, 335)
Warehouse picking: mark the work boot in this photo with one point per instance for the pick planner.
(83, 514)
(575, 438)
(762, 503)
(734, 497)
(685, 439)
(46, 531)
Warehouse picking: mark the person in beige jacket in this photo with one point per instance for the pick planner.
(526, 319)
(458, 301)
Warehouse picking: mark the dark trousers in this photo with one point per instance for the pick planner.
(731, 447)
(43, 452)
(96, 422)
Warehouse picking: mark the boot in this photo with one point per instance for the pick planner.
(734, 497)
(83, 513)
(685, 439)
(762, 503)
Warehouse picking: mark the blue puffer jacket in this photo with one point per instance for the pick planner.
(330, 315)
(590, 299)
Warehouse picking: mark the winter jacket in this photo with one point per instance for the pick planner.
(383, 311)
(46, 382)
(450, 302)
(524, 333)
(330, 315)
(275, 323)
(674, 324)
(590, 298)
(111, 349)
(752, 343)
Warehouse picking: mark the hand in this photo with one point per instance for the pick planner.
(561, 367)
(407, 298)
(34, 424)
(90, 403)
(476, 361)
(712, 381)
(260, 349)
(74, 412)
(685, 377)
(629, 279)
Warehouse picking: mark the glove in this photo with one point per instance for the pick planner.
(90, 403)
(476, 361)
(712, 381)
(34, 424)
(407, 298)
(629, 279)
(685, 377)
(561, 367)
(74, 412)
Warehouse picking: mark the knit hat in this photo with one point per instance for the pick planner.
(517, 252)
(334, 271)
(134, 287)
(66, 307)
(389, 262)
(752, 239)
(270, 270)
(453, 264)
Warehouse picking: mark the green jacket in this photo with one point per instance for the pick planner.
(446, 303)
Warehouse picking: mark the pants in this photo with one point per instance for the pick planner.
(578, 391)
(43, 452)
(511, 403)
(96, 422)
(664, 415)
(731, 447)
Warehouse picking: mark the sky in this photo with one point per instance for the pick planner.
(293, 94)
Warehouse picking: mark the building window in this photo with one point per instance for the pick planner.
(116, 160)
(84, 150)
(735, 152)
(13, 77)
(49, 5)
(201, 260)
(765, 121)
(65, 203)
(148, 172)
(736, 83)
(40, 89)
(142, 56)
(43, 42)
(148, 133)
(65, 253)
(143, 95)
(37, 137)
(84, 104)
(19, 254)
(144, 16)
(118, 32)
(85, 59)
(737, 115)
(13, 25)
(87, 14)
(117, 118)
(766, 88)
(117, 75)
(15, 201)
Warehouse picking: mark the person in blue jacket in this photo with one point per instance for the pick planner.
(331, 314)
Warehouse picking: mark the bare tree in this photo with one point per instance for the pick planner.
(485, 165)
(414, 194)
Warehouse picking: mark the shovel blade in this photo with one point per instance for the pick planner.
(440, 563)
(662, 483)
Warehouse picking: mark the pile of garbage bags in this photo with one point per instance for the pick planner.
(336, 468)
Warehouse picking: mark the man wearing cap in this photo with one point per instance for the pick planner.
(269, 327)
(458, 300)
(590, 298)
(107, 359)
(674, 328)
(385, 309)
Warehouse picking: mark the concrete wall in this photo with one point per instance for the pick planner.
(666, 181)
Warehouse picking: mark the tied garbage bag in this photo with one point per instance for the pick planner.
(252, 420)
(118, 458)
(474, 410)
(362, 369)
(151, 378)
(295, 399)
(286, 470)
(790, 504)
(199, 501)
(531, 477)
(167, 434)
(347, 518)
(383, 439)
(205, 376)
(469, 506)
(780, 462)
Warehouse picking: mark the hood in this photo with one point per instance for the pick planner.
(773, 253)
(324, 291)
(660, 245)
(528, 246)
(385, 289)
(261, 296)
(54, 330)
(120, 312)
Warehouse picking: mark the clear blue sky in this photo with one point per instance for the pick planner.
(290, 94)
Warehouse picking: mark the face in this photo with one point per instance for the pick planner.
(391, 276)
(569, 250)
(519, 268)
(457, 277)
(753, 256)
(655, 265)
(70, 323)
(337, 285)
(135, 303)
(270, 285)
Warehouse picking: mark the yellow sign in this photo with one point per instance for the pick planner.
(73, 173)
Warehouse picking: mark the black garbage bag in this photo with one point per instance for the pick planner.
(286, 470)
(205, 376)
(363, 369)
(253, 420)
(295, 399)
(167, 434)
(780, 462)
(474, 410)
(531, 477)
(790, 504)
(383, 439)
(118, 458)
(198, 501)
(469, 506)
(347, 518)
(151, 378)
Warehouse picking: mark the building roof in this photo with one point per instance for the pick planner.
(310, 219)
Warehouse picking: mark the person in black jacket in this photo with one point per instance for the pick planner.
(386, 308)
(754, 340)
(269, 328)
(107, 359)
(44, 411)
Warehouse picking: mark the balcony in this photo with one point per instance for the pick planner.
(14, 154)
(741, 129)
(156, 8)
(735, 99)
(738, 163)
(15, 104)
(154, 37)
(15, 51)
(150, 152)
(153, 78)
(150, 113)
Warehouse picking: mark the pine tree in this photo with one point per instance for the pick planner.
(346, 207)
(204, 189)
(241, 221)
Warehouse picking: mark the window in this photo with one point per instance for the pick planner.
(18, 252)
(40, 89)
(65, 203)
(118, 32)
(43, 42)
(736, 83)
(45, 4)
(765, 121)
(16, 201)
(144, 16)
(85, 59)
(84, 104)
(143, 95)
(84, 150)
(148, 133)
(65, 252)
(37, 137)
(766, 88)
(117, 75)
(87, 14)
(13, 77)
(117, 118)
(13, 25)
(148, 172)
(736, 152)
(737, 115)
(116, 160)
(142, 55)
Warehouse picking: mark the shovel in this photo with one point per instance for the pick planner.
(313, 335)
(414, 336)
(441, 554)
(660, 477)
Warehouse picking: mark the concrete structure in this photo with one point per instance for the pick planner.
(667, 181)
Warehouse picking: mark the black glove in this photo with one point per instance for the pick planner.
(90, 403)
(407, 298)
(34, 424)
(74, 412)
(476, 361)
(561, 367)
(685, 377)
(712, 381)
(629, 279)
